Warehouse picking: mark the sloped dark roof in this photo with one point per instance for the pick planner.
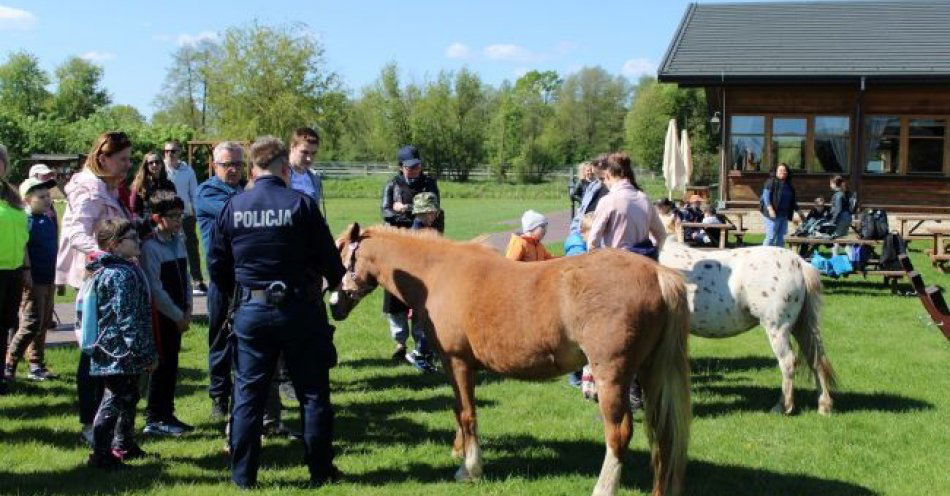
(845, 40)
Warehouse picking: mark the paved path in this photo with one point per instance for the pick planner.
(558, 226)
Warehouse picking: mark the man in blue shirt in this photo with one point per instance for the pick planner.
(228, 158)
(273, 244)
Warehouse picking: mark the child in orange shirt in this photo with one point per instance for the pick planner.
(527, 247)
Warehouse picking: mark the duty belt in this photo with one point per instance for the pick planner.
(277, 293)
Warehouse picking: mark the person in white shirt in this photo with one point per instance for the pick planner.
(303, 148)
(186, 187)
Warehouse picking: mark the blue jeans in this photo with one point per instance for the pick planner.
(775, 230)
(219, 342)
(261, 333)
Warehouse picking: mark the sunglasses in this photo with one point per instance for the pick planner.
(231, 165)
(173, 152)
(154, 162)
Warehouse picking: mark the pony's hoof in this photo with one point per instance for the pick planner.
(824, 410)
(457, 454)
(779, 409)
(463, 475)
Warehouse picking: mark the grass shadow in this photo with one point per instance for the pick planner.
(761, 399)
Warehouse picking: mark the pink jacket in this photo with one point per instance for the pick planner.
(623, 218)
(88, 201)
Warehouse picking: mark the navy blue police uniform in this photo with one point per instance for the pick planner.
(274, 245)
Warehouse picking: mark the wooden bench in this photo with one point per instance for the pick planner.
(931, 297)
(915, 222)
(723, 229)
(740, 230)
(938, 253)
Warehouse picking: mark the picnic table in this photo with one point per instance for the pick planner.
(723, 229)
(740, 229)
(891, 277)
(915, 222)
(938, 252)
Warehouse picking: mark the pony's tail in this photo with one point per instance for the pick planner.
(807, 330)
(665, 377)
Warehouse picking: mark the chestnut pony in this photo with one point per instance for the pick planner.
(620, 312)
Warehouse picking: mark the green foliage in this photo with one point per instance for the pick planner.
(271, 80)
(654, 104)
(184, 95)
(78, 93)
(23, 85)
(588, 115)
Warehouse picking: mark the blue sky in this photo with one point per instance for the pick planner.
(134, 40)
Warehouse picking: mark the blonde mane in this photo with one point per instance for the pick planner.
(430, 236)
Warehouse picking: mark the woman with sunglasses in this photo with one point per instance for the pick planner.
(92, 196)
(151, 177)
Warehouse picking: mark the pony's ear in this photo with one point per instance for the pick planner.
(354, 232)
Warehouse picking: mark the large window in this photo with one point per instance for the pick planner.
(747, 141)
(789, 135)
(832, 144)
(882, 143)
(905, 145)
(925, 145)
(819, 143)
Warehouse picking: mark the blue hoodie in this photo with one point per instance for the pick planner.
(574, 245)
(210, 199)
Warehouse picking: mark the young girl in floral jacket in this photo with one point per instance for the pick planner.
(125, 345)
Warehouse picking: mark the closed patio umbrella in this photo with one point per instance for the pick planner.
(687, 158)
(672, 161)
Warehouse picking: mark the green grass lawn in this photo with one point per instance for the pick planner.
(888, 434)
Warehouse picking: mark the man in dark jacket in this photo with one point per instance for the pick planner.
(397, 211)
(228, 157)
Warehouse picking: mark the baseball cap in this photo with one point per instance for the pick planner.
(39, 170)
(32, 183)
(409, 156)
(424, 203)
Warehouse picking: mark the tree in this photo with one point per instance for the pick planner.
(270, 80)
(23, 85)
(654, 104)
(78, 91)
(588, 118)
(184, 96)
(544, 84)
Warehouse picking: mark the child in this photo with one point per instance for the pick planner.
(710, 217)
(125, 347)
(425, 212)
(576, 243)
(527, 246)
(36, 308)
(669, 218)
(165, 263)
(818, 212)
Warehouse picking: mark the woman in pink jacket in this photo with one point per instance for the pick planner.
(92, 195)
(625, 218)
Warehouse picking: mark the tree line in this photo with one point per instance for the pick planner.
(260, 79)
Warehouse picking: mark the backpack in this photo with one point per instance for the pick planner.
(873, 224)
(890, 252)
(87, 315)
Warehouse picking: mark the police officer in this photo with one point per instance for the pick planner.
(274, 244)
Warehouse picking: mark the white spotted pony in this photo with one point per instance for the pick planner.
(730, 291)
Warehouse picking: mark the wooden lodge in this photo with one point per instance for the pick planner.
(856, 88)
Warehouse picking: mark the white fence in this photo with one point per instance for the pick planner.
(482, 172)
